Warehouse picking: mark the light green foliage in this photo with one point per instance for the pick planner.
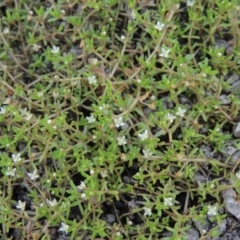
(91, 97)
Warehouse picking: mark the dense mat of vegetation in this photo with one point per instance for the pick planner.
(119, 119)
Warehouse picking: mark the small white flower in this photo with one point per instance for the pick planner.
(36, 47)
(143, 136)
(104, 173)
(83, 195)
(123, 37)
(11, 172)
(52, 203)
(180, 112)
(153, 97)
(93, 61)
(159, 26)
(212, 185)
(219, 54)
(63, 12)
(130, 222)
(164, 52)
(29, 92)
(33, 175)
(64, 228)
(25, 114)
(133, 15)
(118, 233)
(49, 121)
(92, 80)
(103, 107)
(21, 205)
(190, 3)
(168, 202)
(212, 210)
(74, 82)
(2, 110)
(7, 100)
(121, 140)
(81, 187)
(147, 211)
(147, 152)
(170, 117)
(23, 111)
(30, 15)
(28, 116)
(6, 31)
(55, 49)
(139, 80)
(16, 157)
(92, 172)
(119, 122)
(238, 174)
(91, 119)
(55, 94)
(40, 94)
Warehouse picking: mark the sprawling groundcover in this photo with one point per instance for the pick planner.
(119, 119)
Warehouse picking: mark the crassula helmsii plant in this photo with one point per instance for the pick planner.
(105, 108)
